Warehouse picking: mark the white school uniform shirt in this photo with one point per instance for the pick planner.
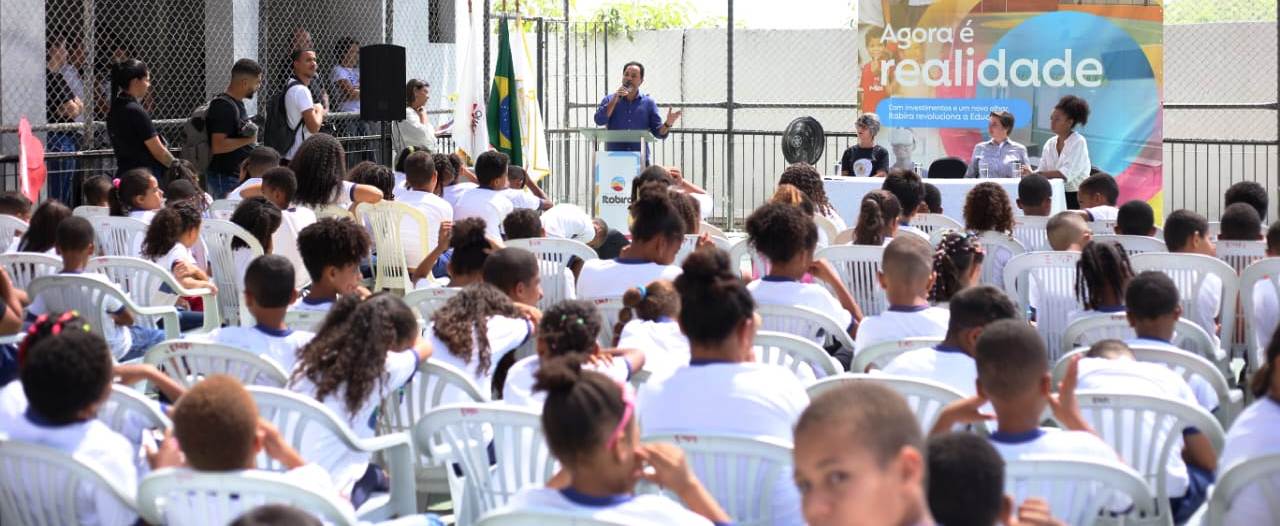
(1103, 213)
(346, 466)
(455, 191)
(1208, 303)
(1058, 442)
(606, 278)
(568, 221)
(741, 398)
(666, 348)
(234, 195)
(281, 345)
(775, 290)
(143, 215)
(296, 101)
(118, 338)
(505, 335)
(1073, 162)
(90, 442)
(518, 389)
(1251, 436)
(1204, 393)
(706, 204)
(522, 198)
(241, 257)
(1266, 312)
(285, 241)
(638, 510)
(1143, 378)
(436, 211)
(309, 305)
(944, 364)
(486, 204)
(13, 400)
(897, 322)
(178, 252)
(311, 476)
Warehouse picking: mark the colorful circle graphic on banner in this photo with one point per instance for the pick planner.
(617, 184)
(1121, 118)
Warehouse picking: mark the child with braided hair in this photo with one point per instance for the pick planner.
(648, 321)
(1102, 274)
(957, 262)
(568, 328)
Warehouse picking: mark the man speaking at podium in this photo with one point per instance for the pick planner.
(628, 109)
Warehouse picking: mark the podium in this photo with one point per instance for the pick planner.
(613, 171)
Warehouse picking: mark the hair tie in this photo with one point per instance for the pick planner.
(116, 183)
(644, 293)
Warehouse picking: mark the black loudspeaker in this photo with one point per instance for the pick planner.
(382, 80)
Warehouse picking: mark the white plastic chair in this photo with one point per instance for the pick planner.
(1031, 231)
(1103, 228)
(926, 398)
(557, 253)
(1264, 270)
(192, 498)
(1230, 401)
(1215, 229)
(427, 390)
(26, 266)
(757, 265)
(1144, 430)
(610, 308)
(1052, 275)
(87, 211)
(797, 354)
(340, 212)
(188, 362)
(41, 485)
(1188, 272)
(223, 208)
(118, 236)
(459, 434)
(386, 220)
(804, 322)
(11, 228)
(880, 354)
(427, 300)
(545, 517)
(142, 279)
(217, 236)
(1133, 245)
(845, 237)
(303, 420)
(826, 228)
(1240, 254)
(708, 228)
(1260, 473)
(1089, 330)
(930, 223)
(1079, 491)
(130, 413)
(745, 474)
(690, 243)
(858, 266)
(64, 292)
(996, 243)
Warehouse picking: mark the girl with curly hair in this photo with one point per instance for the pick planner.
(987, 209)
(806, 178)
(173, 232)
(321, 167)
(957, 262)
(475, 328)
(364, 351)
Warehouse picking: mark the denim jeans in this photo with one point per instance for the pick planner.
(60, 180)
(218, 183)
(143, 338)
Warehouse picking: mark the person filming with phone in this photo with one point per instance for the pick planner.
(628, 109)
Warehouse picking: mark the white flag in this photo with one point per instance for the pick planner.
(533, 131)
(470, 128)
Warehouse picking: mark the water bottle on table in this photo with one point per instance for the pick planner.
(983, 169)
(1017, 168)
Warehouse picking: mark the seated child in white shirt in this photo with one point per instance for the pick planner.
(590, 424)
(486, 201)
(1102, 274)
(568, 328)
(987, 209)
(262, 219)
(268, 292)
(419, 191)
(788, 238)
(957, 264)
(524, 223)
(136, 194)
(455, 179)
(96, 191)
(908, 187)
(474, 331)
(1186, 232)
(951, 362)
(878, 216)
(321, 171)
(1098, 195)
(517, 182)
(260, 159)
(1153, 312)
(859, 458)
(365, 350)
(41, 231)
(376, 175)
(966, 485)
(1136, 218)
(332, 250)
(172, 233)
(906, 276)
(468, 249)
(279, 185)
(1266, 306)
(656, 237)
(1253, 435)
(648, 322)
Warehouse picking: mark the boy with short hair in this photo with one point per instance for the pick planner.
(1136, 218)
(1250, 193)
(909, 189)
(74, 241)
(268, 293)
(421, 180)
(1152, 308)
(951, 362)
(906, 277)
(523, 223)
(1186, 232)
(515, 272)
(859, 458)
(486, 201)
(1068, 231)
(332, 250)
(278, 186)
(517, 181)
(96, 190)
(261, 158)
(1035, 195)
(933, 198)
(15, 204)
(1098, 194)
(1240, 222)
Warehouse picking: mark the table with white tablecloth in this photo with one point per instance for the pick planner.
(845, 193)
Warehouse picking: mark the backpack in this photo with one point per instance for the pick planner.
(198, 149)
(279, 134)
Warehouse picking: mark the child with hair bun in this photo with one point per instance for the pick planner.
(591, 426)
(648, 322)
(877, 219)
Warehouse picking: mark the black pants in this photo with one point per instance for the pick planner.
(1073, 201)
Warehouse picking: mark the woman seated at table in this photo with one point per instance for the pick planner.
(865, 158)
(999, 156)
(1066, 155)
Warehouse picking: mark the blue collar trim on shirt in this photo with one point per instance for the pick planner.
(949, 348)
(778, 279)
(38, 420)
(1017, 438)
(706, 361)
(279, 333)
(320, 301)
(583, 499)
(72, 272)
(1161, 340)
(1110, 308)
(905, 224)
(908, 308)
(632, 261)
(664, 319)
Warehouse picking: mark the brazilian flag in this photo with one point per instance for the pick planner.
(504, 117)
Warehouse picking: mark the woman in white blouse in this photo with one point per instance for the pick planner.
(1066, 155)
(416, 129)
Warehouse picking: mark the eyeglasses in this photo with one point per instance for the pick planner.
(629, 408)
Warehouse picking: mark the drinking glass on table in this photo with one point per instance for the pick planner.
(1017, 168)
(983, 169)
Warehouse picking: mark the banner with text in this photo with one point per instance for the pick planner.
(933, 70)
